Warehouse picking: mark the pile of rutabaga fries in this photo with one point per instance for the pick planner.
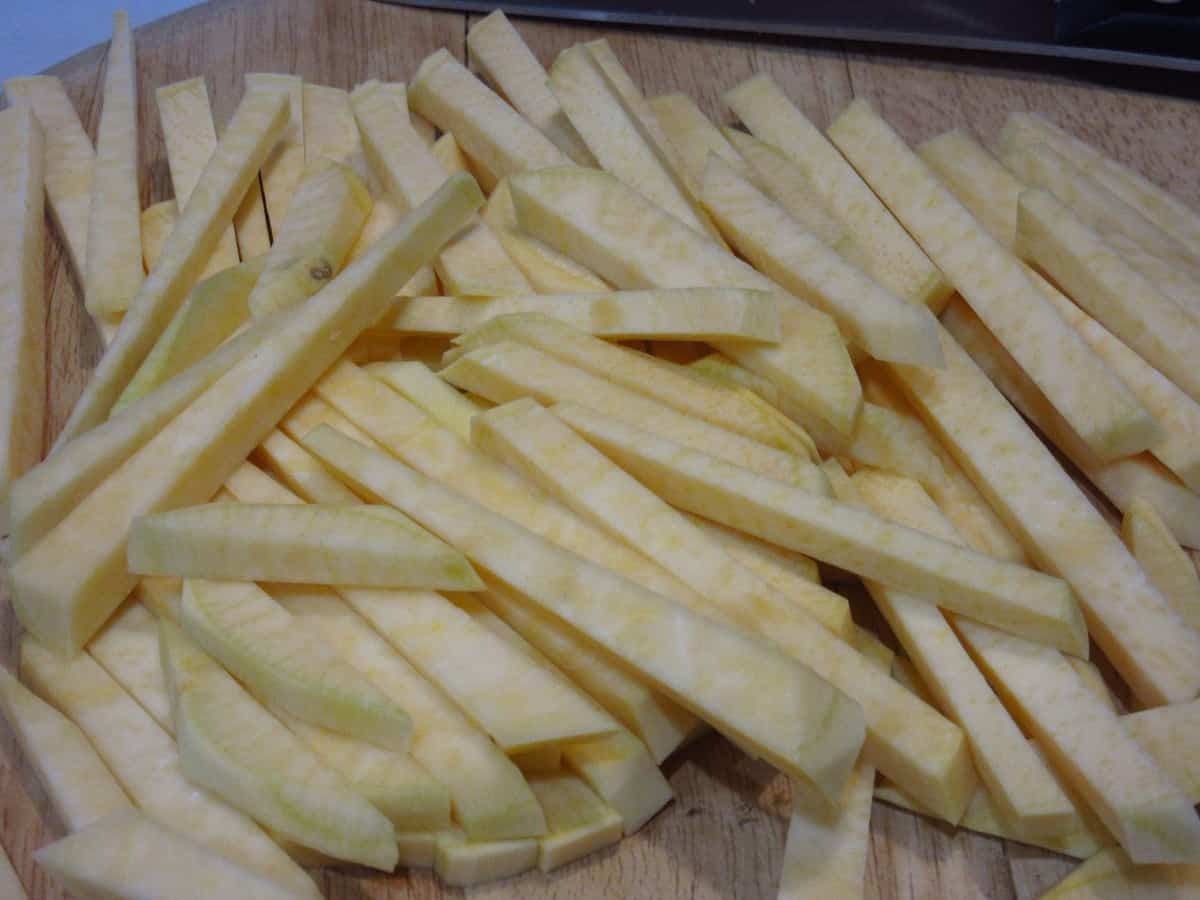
(430, 493)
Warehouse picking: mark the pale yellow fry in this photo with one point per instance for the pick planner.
(1099, 406)
(281, 171)
(191, 138)
(579, 822)
(1166, 564)
(22, 299)
(157, 221)
(980, 182)
(694, 136)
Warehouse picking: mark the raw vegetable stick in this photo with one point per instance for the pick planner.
(263, 209)
(69, 160)
(157, 221)
(579, 822)
(1059, 526)
(191, 138)
(22, 300)
(188, 459)
(979, 181)
(1166, 564)
(255, 127)
(694, 136)
(113, 274)
(1088, 394)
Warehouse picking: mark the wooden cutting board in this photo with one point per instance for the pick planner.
(723, 836)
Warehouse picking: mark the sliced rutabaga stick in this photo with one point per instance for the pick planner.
(22, 299)
(505, 60)
(214, 309)
(1111, 875)
(670, 385)
(229, 744)
(616, 137)
(490, 798)
(191, 138)
(618, 768)
(330, 131)
(288, 663)
(296, 468)
(314, 239)
(539, 445)
(884, 439)
(144, 760)
(1017, 779)
(958, 498)
(307, 545)
(461, 863)
(1089, 395)
(186, 461)
(694, 136)
(1138, 801)
(507, 370)
(980, 182)
(418, 383)
(1122, 299)
(474, 263)
(78, 784)
(113, 274)
(891, 257)
(47, 493)
(1122, 480)
(127, 648)
(951, 576)
(1060, 527)
(254, 129)
(1169, 213)
(129, 854)
(1165, 563)
(449, 155)
(281, 171)
(784, 730)
(872, 317)
(521, 705)
(1176, 411)
(617, 233)
(579, 822)
(157, 221)
(1169, 734)
(625, 697)
(789, 185)
(700, 314)
(69, 160)
(311, 412)
(490, 131)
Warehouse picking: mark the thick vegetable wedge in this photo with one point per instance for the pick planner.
(191, 137)
(186, 461)
(289, 664)
(618, 768)
(232, 746)
(309, 545)
(592, 217)
(69, 160)
(670, 385)
(505, 60)
(312, 241)
(1017, 779)
(1089, 395)
(871, 316)
(950, 576)
(296, 468)
(80, 787)
(113, 274)
(144, 760)
(1140, 803)
(694, 136)
(507, 370)
(615, 135)
(22, 299)
(980, 182)
(1119, 296)
(489, 131)
(1059, 526)
(127, 648)
(1171, 214)
(330, 131)
(701, 314)
(889, 255)
(253, 131)
(825, 727)
(927, 753)
(1165, 563)
(212, 312)
(579, 822)
(474, 263)
(48, 492)
(130, 856)
(460, 862)
(421, 386)
(789, 185)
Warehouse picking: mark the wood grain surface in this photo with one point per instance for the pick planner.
(723, 836)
